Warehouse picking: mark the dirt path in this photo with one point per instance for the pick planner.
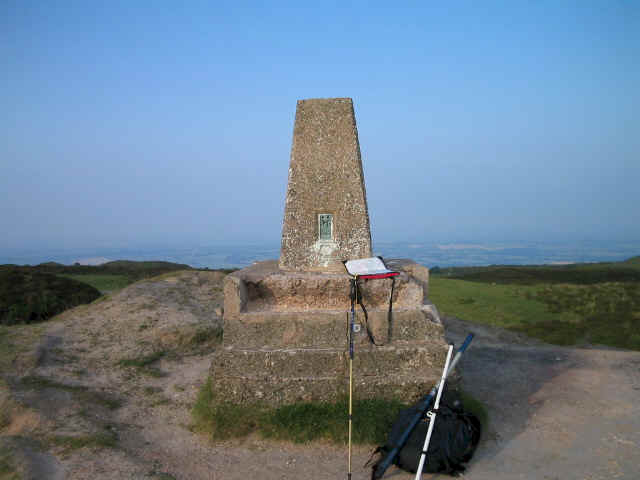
(556, 413)
(109, 395)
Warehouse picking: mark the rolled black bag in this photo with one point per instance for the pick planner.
(455, 436)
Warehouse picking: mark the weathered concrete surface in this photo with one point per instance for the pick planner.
(264, 287)
(325, 177)
(286, 376)
(285, 336)
(286, 390)
(419, 272)
(324, 329)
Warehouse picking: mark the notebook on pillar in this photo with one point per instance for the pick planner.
(373, 267)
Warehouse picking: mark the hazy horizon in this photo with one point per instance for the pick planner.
(429, 254)
(128, 124)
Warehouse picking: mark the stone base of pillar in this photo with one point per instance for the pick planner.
(286, 337)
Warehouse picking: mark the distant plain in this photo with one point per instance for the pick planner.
(449, 254)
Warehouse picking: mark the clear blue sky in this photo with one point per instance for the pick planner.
(132, 123)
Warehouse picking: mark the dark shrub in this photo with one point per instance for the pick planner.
(27, 296)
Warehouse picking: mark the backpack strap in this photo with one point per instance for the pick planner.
(369, 462)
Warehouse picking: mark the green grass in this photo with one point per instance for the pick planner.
(107, 439)
(507, 306)
(609, 314)
(207, 335)
(8, 469)
(143, 360)
(299, 423)
(160, 475)
(578, 274)
(223, 420)
(105, 283)
(606, 313)
(144, 363)
(305, 422)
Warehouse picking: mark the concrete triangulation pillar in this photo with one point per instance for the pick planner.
(326, 220)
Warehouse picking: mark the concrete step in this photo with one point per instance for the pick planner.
(280, 391)
(324, 329)
(264, 287)
(328, 362)
(312, 374)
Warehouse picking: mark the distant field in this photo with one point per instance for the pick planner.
(105, 283)
(568, 305)
(112, 276)
(579, 273)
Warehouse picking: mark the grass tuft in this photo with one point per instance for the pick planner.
(144, 363)
(208, 335)
(8, 470)
(223, 420)
(306, 422)
(300, 423)
(160, 475)
(107, 439)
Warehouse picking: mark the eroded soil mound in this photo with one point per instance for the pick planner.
(83, 388)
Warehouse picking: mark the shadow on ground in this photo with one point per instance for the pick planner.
(555, 412)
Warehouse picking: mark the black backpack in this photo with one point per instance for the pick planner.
(455, 436)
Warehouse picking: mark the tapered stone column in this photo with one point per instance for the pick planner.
(326, 220)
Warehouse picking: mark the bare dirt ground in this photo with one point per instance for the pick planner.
(105, 391)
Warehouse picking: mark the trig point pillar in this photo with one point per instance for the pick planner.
(326, 219)
(285, 321)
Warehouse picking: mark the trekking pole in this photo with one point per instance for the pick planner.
(432, 415)
(352, 327)
(422, 406)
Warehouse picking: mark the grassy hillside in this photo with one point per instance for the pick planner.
(567, 305)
